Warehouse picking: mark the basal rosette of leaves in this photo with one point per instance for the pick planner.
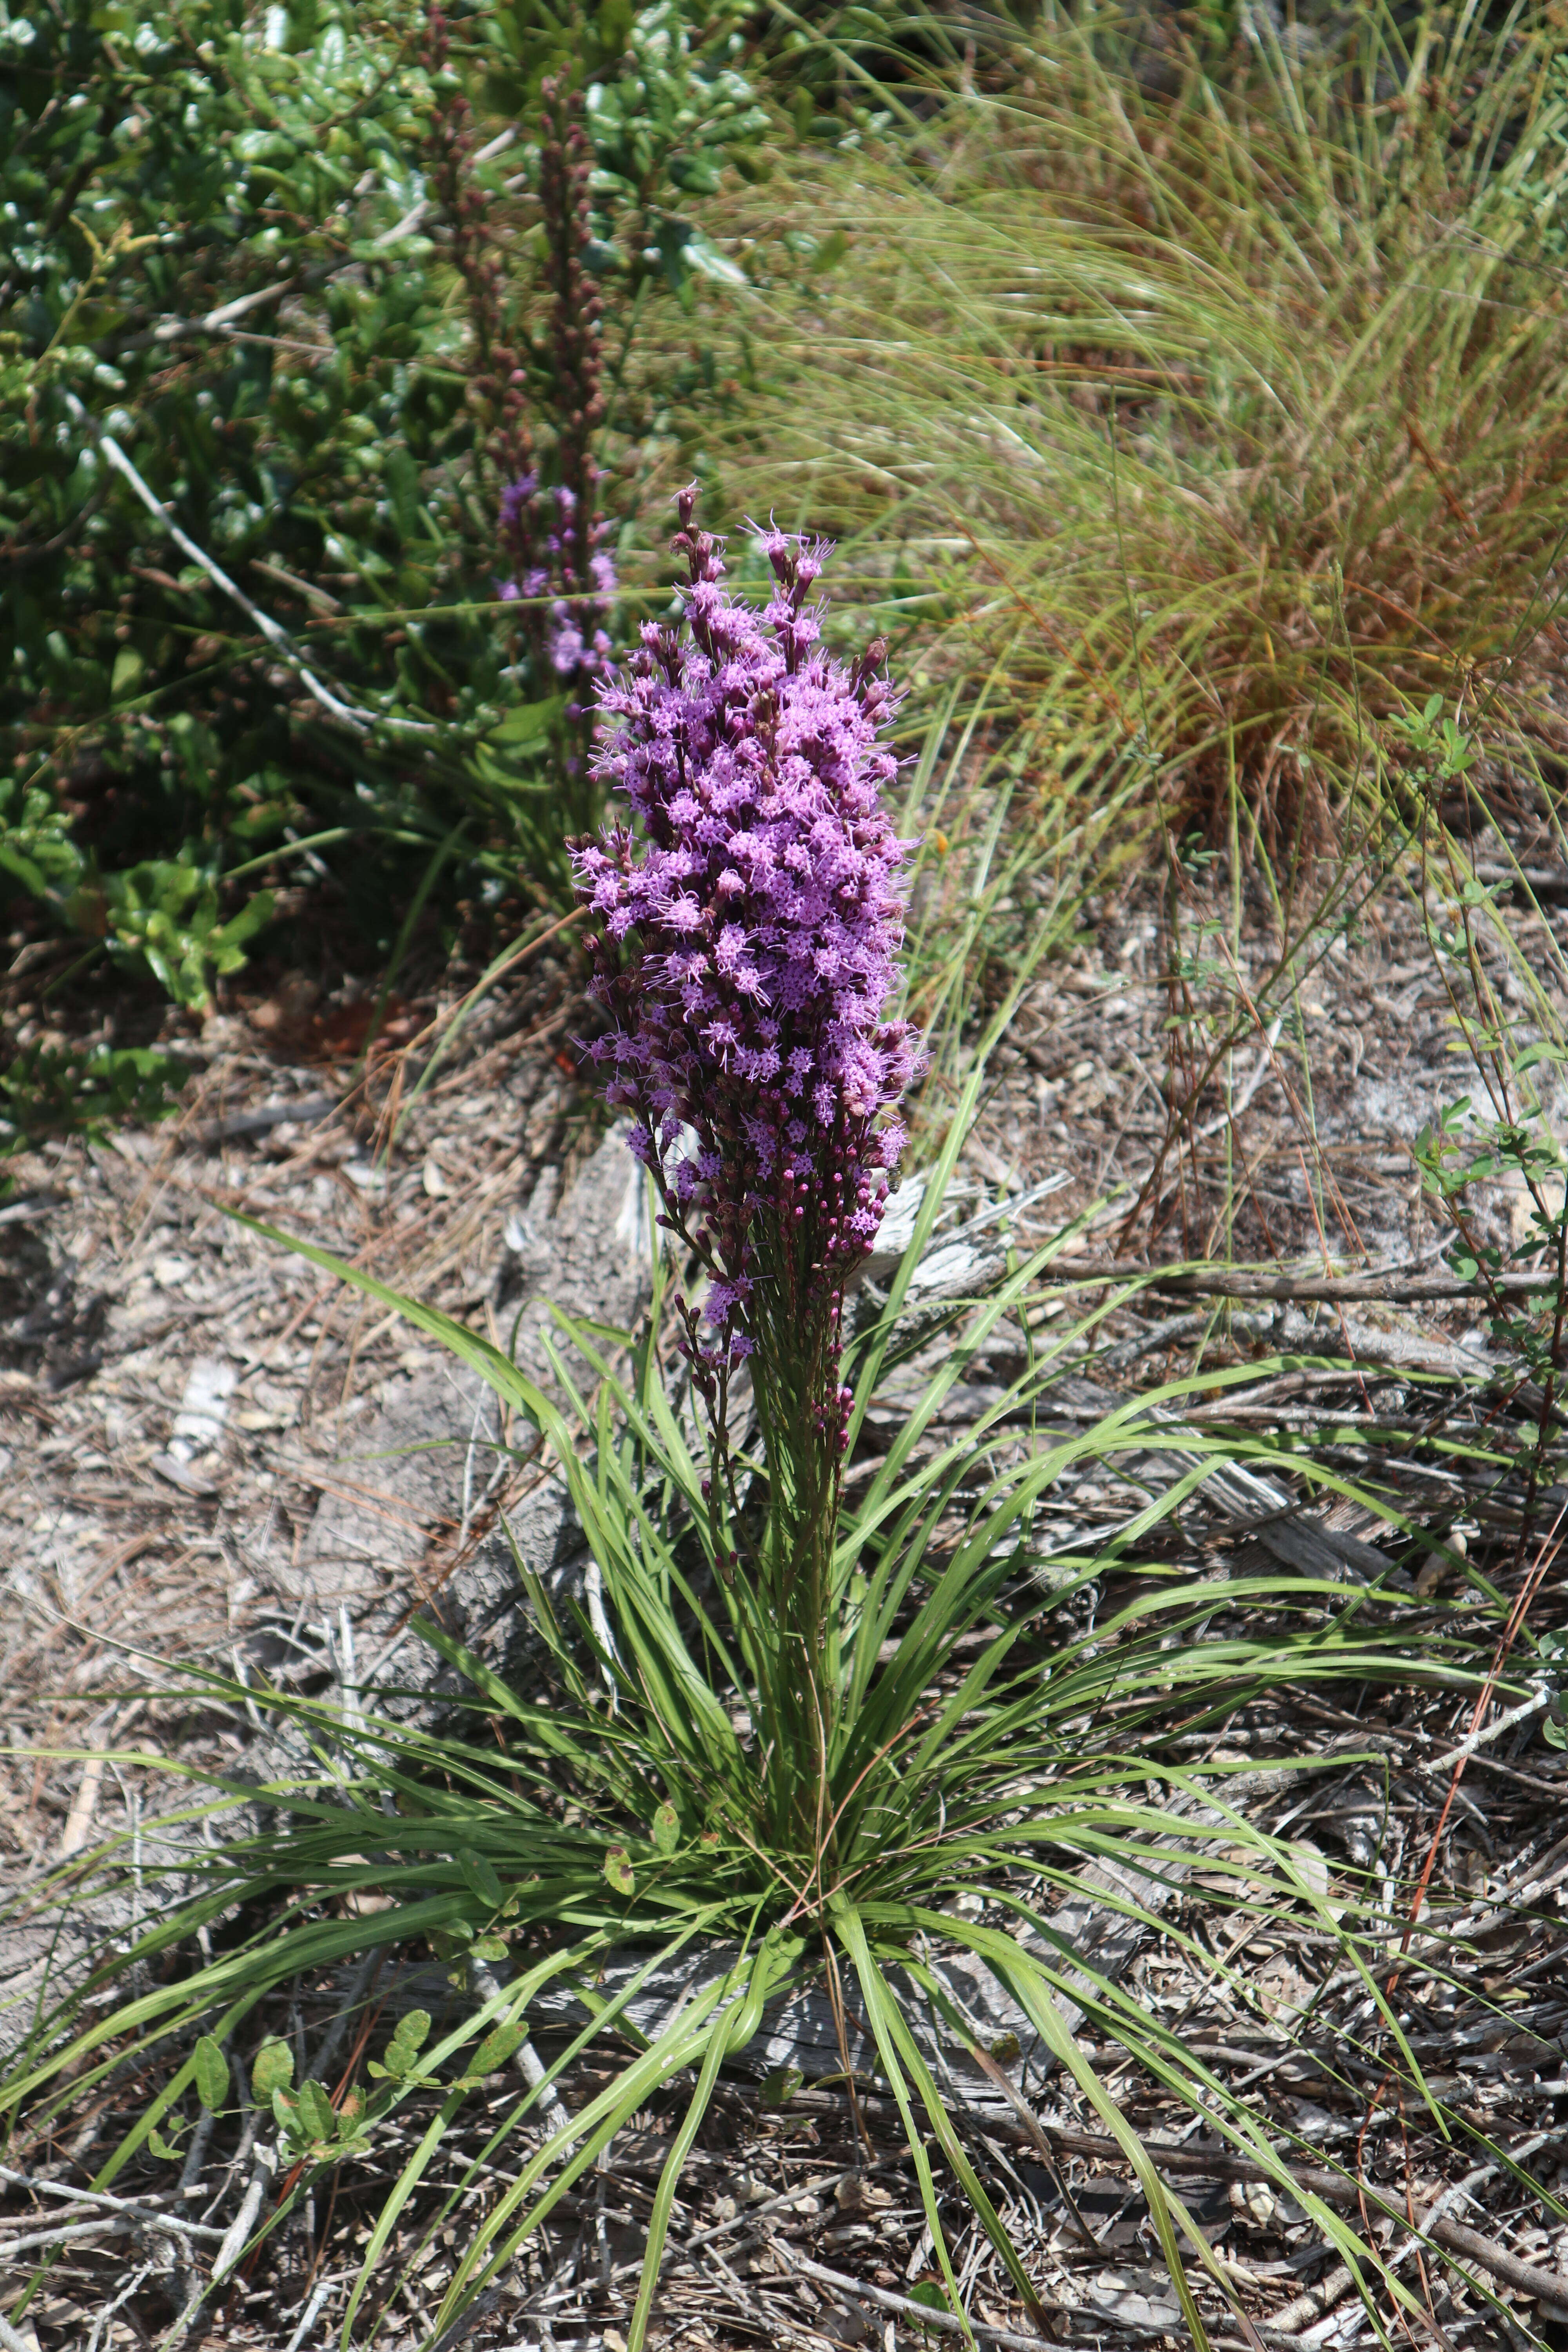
(224, 246)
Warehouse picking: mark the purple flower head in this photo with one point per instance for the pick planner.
(515, 496)
(566, 647)
(751, 928)
(568, 577)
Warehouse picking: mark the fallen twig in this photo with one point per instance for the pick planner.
(1340, 2189)
(130, 2209)
(486, 1986)
(268, 1115)
(1392, 1288)
(1314, 2302)
(1170, 1333)
(104, 2225)
(948, 2323)
(1542, 2286)
(1334, 2188)
(1477, 1739)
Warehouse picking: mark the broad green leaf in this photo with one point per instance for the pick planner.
(212, 2072)
(531, 725)
(666, 1829)
(271, 2069)
(499, 2045)
(316, 2113)
(479, 1876)
(618, 1871)
(407, 2042)
(413, 2031)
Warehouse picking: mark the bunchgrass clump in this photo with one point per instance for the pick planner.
(1224, 419)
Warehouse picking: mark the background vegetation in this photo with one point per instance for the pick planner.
(284, 281)
(1220, 409)
(1188, 387)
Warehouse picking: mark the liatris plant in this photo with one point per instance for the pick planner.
(746, 959)
(863, 1748)
(497, 384)
(562, 574)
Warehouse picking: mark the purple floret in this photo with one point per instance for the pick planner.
(578, 578)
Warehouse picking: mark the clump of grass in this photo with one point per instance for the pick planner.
(1230, 419)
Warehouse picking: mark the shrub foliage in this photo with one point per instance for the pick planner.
(270, 254)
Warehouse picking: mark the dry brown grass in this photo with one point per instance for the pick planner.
(1232, 424)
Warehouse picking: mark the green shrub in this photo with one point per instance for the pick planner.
(269, 255)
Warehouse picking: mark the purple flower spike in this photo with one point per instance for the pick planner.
(560, 571)
(748, 937)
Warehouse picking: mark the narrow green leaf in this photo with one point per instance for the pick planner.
(731, 2033)
(555, 1965)
(850, 1929)
(587, 2132)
